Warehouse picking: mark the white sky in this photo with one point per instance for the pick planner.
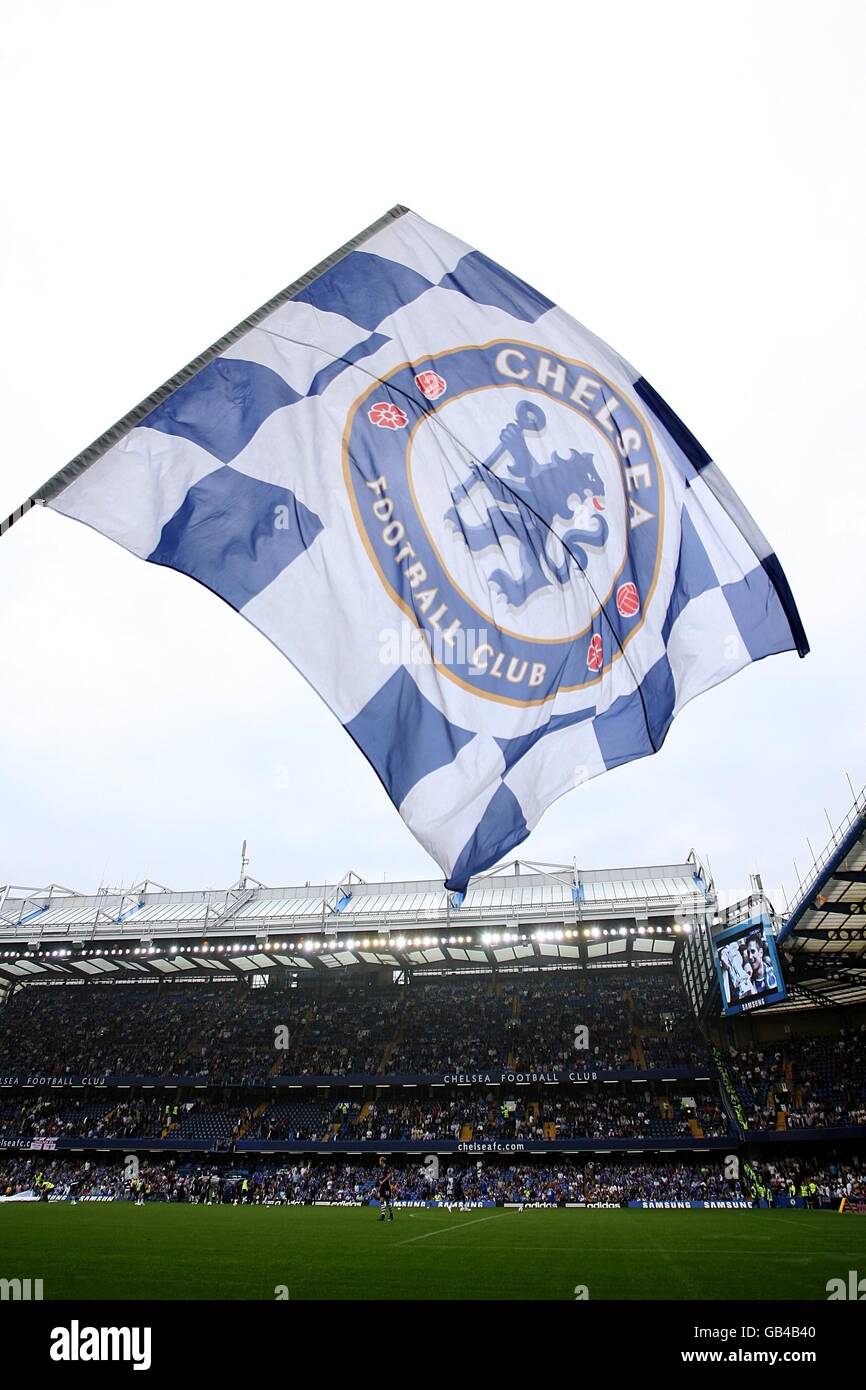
(685, 179)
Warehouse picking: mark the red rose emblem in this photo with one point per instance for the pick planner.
(431, 385)
(388, 416)
(627, 600)
(595, 655)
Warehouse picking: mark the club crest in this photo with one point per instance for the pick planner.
(512, 504)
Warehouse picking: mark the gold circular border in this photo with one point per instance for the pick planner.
(410, 612)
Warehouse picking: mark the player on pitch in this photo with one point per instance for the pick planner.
(386, 1197)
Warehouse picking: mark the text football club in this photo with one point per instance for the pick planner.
(512, 504)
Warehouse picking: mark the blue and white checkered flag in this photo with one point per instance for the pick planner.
(484, 539)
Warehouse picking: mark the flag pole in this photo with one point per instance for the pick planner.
(112, 436)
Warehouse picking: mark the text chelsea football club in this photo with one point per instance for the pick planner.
(552, 376)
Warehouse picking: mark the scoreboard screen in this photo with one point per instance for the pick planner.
(747, 965)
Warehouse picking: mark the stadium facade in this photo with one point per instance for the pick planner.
(522, 915)
(553, 1014)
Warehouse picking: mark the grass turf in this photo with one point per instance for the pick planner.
(96, 1251)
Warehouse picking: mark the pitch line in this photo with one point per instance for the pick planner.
(446, 1230)
(646, 1250)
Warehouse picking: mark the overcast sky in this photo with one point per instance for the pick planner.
(684, 179)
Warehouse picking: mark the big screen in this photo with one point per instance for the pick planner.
(747, 964)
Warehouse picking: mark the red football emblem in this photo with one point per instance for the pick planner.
(595, 655)
(388, 416)
(431, 385)
(627, 600)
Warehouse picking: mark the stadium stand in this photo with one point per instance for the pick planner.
(806, 1083)
(577, 1053)
(440, 1025)
(616, 1182)
(598, 1115)
(214, 1059)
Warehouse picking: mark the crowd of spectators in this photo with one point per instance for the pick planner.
(344, 1032)
(802, 1083)
(594, 1113)
(50, 1117)
(268, 1182)
(829, 1080)
(443, 1029)
(591, 1116)
(529, 1023)
(758, 1074)
(663, 1021)
(93, 1030)
(532, 1022)
(564, 1021)
(834, 1179)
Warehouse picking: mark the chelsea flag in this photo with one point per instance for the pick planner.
(482, 537)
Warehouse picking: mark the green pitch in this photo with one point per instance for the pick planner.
(93, 1251)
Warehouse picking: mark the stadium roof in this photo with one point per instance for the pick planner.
(825, 935)
(520, 914)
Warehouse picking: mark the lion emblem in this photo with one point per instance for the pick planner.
(560, 517)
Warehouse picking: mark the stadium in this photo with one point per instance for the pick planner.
(200, 1091)
(454, 557)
